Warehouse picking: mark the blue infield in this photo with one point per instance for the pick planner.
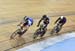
(66, 45)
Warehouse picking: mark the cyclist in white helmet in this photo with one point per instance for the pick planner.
(61, 20)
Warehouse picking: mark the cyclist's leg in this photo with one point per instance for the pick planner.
(44, 30)
(43, 33)
(58, 28)
(23, 29)
(61, 25)
(44, 26)
(19, 30)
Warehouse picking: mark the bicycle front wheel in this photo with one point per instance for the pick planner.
(14, 34)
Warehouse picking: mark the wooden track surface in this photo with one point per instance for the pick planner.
(12, 12)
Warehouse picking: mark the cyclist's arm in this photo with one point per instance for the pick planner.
(40, 21)
(57, 20)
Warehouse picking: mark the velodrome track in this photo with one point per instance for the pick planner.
(7, 44)
(12, 12)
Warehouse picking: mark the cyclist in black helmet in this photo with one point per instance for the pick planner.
(45, 23)
(45, 20)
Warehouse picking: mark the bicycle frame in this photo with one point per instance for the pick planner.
(56, 29)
